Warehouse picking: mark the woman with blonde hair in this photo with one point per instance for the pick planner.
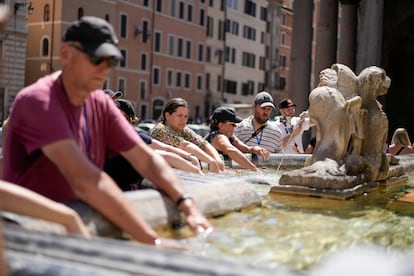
(400, 142)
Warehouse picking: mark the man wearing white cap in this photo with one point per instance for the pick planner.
(292, 127)
(256, 130)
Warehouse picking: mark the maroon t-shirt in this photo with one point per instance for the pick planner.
(42, 114)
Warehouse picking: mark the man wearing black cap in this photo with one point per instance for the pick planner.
(292, 127)
(62, 127)
(256, 130)
(223, 122)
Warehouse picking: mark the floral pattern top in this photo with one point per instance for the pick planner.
(168, 136)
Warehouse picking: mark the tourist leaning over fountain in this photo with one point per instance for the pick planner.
(121, 170)
(61, 128)
(257, 130)
(222, 123)
(292, 126)
(172, 129)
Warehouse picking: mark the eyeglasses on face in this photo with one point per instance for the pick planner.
(111, 61)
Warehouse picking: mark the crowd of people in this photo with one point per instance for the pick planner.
(84, 143)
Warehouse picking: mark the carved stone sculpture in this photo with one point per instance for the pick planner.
(351, 131)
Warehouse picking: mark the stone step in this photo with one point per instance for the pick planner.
(37, 253)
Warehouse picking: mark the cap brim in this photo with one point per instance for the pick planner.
(103, 50)
(118, 94)
(267, 104)
(236, 120)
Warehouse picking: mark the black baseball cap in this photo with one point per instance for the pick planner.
(286, 103)
(127, 107)
(96, 36)
(264, 99)
(224, 113)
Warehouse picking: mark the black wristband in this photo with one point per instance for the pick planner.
(181, 199)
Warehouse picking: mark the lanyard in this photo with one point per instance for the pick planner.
(258, 138)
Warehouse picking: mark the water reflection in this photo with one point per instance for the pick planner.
(299, 231)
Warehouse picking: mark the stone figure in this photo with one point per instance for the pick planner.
(333, 117)
(351, 131)
(373, 82)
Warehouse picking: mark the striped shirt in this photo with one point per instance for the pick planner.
(270, 137)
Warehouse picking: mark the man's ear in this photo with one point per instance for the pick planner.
(64, 53)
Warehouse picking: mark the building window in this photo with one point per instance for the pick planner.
(173, 6)
(145, 3)
(250, 8)
(157, 42)
(221, 30)
(142, 90)
(46, 13)
(187, 78)
(45, 47)
(144, 31)
(208, 81)
(247, 88)
(230, 86)
(158, 7)
(188, 49)
(178, 79)
(199, 82)
(189, 13)
(232, 4)
(262, 63)
(208, 54)
(284, 19)
(123, 31)
(156, 76)
(249, 33)
(80, 13)
(282, 83)
(282, 61)
(230, 55)
(210, 26)
(169, 78)
(263, 13)
(181, 10)
(201, 19)
(248, 59)
(171, 44)
(180, 47)
(200, 52)
(143, 62)
(121, 85)
(122, 63)
(283, 38)
(107, 17)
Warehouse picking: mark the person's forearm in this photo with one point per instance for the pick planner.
(195, 150)
(241, 159)
(210, 150)
(35, 205)
(178, 162)
(112, 203)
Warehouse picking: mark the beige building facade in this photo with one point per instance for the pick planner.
(207, 52)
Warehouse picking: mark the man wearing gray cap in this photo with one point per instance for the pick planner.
(256, 130)
(62, 127)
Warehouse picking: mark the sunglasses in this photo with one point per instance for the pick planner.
(111, 61)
